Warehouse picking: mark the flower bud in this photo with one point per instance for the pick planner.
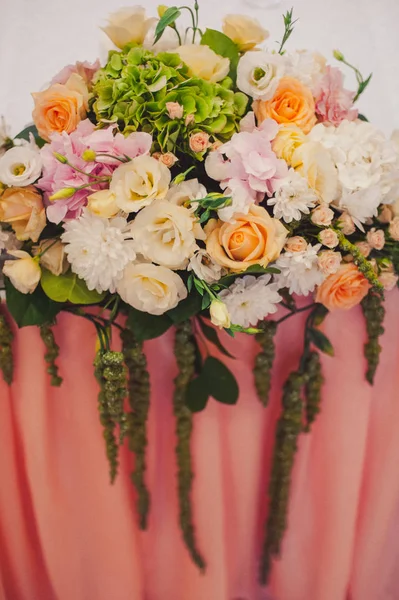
(89, 155)
(62, 159)
(62, 194)
(219, 314)
(338, 55)
(161, 10)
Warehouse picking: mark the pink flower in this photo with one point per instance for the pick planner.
(388, 280)
(296, 244)
(329, 262)
(322, 216)
(85, 69)
(394, 229)
(364, 248)
(346, 224)
(249, 157)
(333, 102)
(199, 142)
(175, 110)
(329, 238)
(376, 238)
(57, 175)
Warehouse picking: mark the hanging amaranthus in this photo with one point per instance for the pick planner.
(288, 429)
(264, 360)
(185, 357)
(52, 353)
(111, 375)
(136, 423)
(374, 313)
(313, 385)
(6, 357)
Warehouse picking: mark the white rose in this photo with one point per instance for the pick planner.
(183, 193)
(204, 62)
(140, 181)
(165, 233)
(128, 25)
(24, 273)
(151, 288)
(244, 31)
(204, 267)
(259, 73)
(20, 166)
(219, 314)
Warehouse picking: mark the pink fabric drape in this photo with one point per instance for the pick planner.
(66, 534)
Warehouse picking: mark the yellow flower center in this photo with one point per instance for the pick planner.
(19, 169)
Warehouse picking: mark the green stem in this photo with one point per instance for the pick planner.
(295, 312)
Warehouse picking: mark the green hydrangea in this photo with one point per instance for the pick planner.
(135, 85)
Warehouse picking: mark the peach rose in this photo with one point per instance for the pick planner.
(344, 289)
(329, 238)
(60, 107)
(322, 216)
(388, 280)
(292, 103)
(199, 142)
(255, 238)
(376, 238)
(175, 110)
(329, 262)
(346, 224)
(296, 244)
(386, 214)
(23, 209)
(364, 248)
(394, 229)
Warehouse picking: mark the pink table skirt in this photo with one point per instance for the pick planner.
(66, 534)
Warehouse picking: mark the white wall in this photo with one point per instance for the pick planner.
(39, 37)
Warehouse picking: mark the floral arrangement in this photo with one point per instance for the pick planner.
(198, 176)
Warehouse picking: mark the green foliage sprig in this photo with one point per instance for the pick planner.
(185, 357)
(288, 29)
(374, 314)
(52, 353)
(111, 376)
(6, 356)
(364, 265)
(361, 82)
(136, 420)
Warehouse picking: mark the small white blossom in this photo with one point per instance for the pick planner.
(293, 198)
(20, 166)
(98, 249)
(204, 267)
(300, 271)
(250, 299)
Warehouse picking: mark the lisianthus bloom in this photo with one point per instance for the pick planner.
(128, 26)
(334, 104)
(20, 166)
(244, 31)
(204, 62)
(24, 272)
(58, 175)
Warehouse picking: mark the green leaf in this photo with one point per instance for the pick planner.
(321, 341)
(68, 288)
(220, 381)
(252, 270)
(186, 308)
(170, 15)
(24, 135)
(197, 394)
(206, 300)
(146, 326)
(224, 46)
(211, 334)
(362, 118)
(319, 314)
(30, 309)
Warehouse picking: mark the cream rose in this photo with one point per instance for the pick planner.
(255, 238)
(329, 238)
(20, 166)
(24, 273)
(314, 163)
(23, 209)
(128, 26)
(322, 215)
(54, 258)
(140, 181)
(287, 140)
(219, 314)
(151, 288)
(204, 62)
(103, 204)
(296, 244)
(165, 234)
(259, 73)
(244, 31)
(376, 238)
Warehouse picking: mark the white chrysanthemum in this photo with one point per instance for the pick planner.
(361, 205)
(250, 299)
(300, 271)
(293, 198)
(98, 249)
(204, 267)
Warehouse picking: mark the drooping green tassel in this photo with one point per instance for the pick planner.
(185, 357)
(364, 265)
(52, 353)
(289, 428)
(136, 423)
(264, 360)
(313, 385)
(111, 375)
(374, 313)
(6, 356)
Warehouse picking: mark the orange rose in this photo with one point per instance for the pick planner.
(292, 103)
(344, 289)
(61, 107)
(23, 209)
(255, 238)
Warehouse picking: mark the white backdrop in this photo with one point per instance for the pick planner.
(39, 37)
